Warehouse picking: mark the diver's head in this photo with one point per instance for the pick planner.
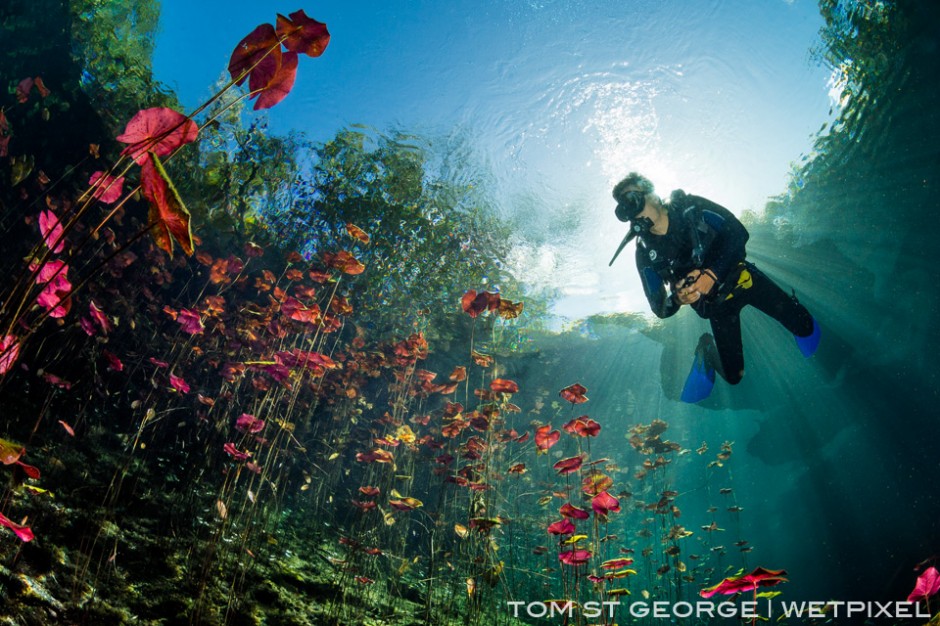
(637, 204)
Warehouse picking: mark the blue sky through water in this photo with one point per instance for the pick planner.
(560, 99)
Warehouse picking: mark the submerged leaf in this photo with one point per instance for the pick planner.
(344, 262)
(23, 88)
(251, 51)
(760, 577)
(574, 394)
(20, 168)
(501, 385)
(158, 130)
(545, 438)
(191, 321)
(168, 214)
(10, 452)
(563, 526)
(179, 384)
(570, 510)
(510, 310)
(568, 466)
(23, 532)
(574, 557)
(107, 188)
(51, 230)
(302, 34)
(405, 504)
(249, 424)
(357, 233)
(604, 503)
(928, 583)
(9, 352)
(278, 84)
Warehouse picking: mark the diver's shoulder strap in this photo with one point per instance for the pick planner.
(684, 206)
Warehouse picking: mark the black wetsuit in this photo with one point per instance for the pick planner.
(704, 235)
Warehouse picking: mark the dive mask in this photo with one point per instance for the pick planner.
(630, 205)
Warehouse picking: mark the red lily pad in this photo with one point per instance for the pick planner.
(179, 384)
(405, 504)
(575, 557)
(604, 503)
(574, 394)
(114, 363)
(302, 34)
(23, 88)
(236, 454)
(474, 303)
(97, 315)
(10, 452)
(501, 385)
(191, 321)
(158, 130)
(23, 532)
(344, 262)
(596, 482)
(53, 297)
(357, 233)
(51, 230)
(273, 83)
(9, 352)
(582, 426)
(570, 510)
(928, 583)
(41, 87)
(251, 50)
(107, 188)
(760, 577)
(561, 527)
(249, 424)
(568, 466)
(545, 437)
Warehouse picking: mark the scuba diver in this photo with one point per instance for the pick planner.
(696, 247)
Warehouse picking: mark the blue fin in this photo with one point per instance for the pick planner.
(808, 344)
(699, 382)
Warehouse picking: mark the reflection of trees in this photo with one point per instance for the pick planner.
(430, 239)
(114, 42)
(867, 186)
(866, 197)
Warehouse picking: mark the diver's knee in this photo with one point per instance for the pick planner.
(734, 378)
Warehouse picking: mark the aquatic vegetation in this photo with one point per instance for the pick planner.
(23, 532)
(153, 134)
(271, 73)
(928, 584)
(760, 577)
(574, 394)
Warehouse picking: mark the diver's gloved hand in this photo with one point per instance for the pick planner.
(696, 284)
